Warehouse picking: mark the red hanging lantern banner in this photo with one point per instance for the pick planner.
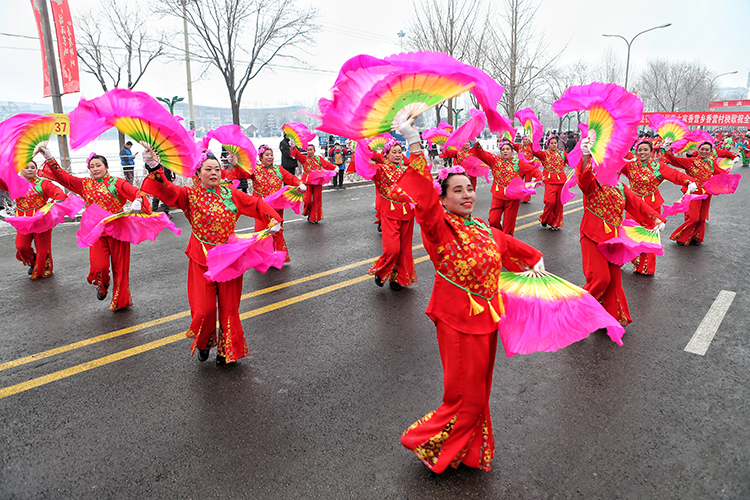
(66, 46)
(35, 6)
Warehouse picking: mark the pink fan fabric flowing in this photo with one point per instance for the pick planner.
(132, 227)
(229, 261)
(692, 139)
(575, 155)
(45, 220)
(532, 325)
(362, 156)
(278, 201)
(565, 194)
(320, 177)
(623, 249)
(90, 119)
(304, 133)
(233, 135)
(517, 189)
(475, 168)
(527, 115)
(433, 132)
(722, 184)
(682, 205)
(444, 125)
(626, 111)
(468, 130)
(359, 83)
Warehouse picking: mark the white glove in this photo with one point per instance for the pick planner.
(410, 133)
(539, 266)
(302, 188)
(660, 226)
(150, 159)
(692, 187)
(42, 148)
(274, 229)
(667, 143)
(586, 146)
(135, 206)
(233, 159)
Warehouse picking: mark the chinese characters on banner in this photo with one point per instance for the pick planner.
(718, 119)
(66, 46)
(35, 6)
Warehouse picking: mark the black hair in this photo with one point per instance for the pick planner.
(444, 182)
(650, 145)
(32, 161)
(99, 157)
(209, 156)
(129, 143)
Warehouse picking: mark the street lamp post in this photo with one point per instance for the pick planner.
(712, 80)
(627, 64)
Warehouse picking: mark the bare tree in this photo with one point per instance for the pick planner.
(675, 86)
(455, 27)
(609, 68)
(240, 38)
(557, 80)
(117, 44)
(516, 56)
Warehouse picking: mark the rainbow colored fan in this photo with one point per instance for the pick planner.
(531, 125)
(48, 216)
(435, 135)
(286, 197)
(133, 227)
(632, 240)
(241, 253)
(298, 134)
(692, 140)
(372, 96)
(668, 128)
(544, 312)
(140, 116)
(236, 142)
(682, 205)
(379, 142)
(19, 136)
(614, 114)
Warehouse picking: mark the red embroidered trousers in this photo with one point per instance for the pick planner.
(694, 227)
(397, 261)
(460, 430)
(313, 199)
(41, 259)
(104, 251)
(604, 281)
(553, 207)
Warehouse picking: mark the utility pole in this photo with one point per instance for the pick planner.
(54, 85)
(191, 112)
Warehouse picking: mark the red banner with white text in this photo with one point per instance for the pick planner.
(707, 118)
(66, 46)
(35, 6)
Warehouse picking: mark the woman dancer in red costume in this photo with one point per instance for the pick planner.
(110, 193)
(39, 194)
(396, 217)
(701, 168)
(460, 155)
(212, 211)
(525, 151)
(468, 257)
(553, 163)
(602, 218)
(505, 168)
(313, 198)
(267, 179)
(645, 174)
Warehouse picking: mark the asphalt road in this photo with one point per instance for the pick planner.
(95, 404)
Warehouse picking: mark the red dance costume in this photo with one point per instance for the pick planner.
(465, 306)
(602, 218)
(313, 197)
(527, 152)
(213, 215)
(396, 217)
(645, 178)
(110, 193)
(694, 227)
(554, 177)
(266, 181)
(459, 156)
(504, 210)
(39, 194)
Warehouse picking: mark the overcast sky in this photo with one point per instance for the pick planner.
(711, 32)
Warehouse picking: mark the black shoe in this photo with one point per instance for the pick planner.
(31, 270)
(395, 285)
(100, 296)
(380, 229)
(203, 354)
(378, 281)
(220, 360)
(543, 224)
(695, 243)
(680, 243)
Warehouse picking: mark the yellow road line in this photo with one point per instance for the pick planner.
(526, 216)
(61, 374)
(536, 222)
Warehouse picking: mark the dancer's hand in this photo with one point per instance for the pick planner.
(150, 158)
(42, 148)
(660, 226)
(274, 229)
(586, 146)
(539, 266)
(667, 143)
(692, 187)
(302, 188)
(410, 133)
(135, 206)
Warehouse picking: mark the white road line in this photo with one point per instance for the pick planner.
(705, 333)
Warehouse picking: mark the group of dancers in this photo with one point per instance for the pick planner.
(467, 252)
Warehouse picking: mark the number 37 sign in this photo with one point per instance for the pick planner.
(62, 124)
